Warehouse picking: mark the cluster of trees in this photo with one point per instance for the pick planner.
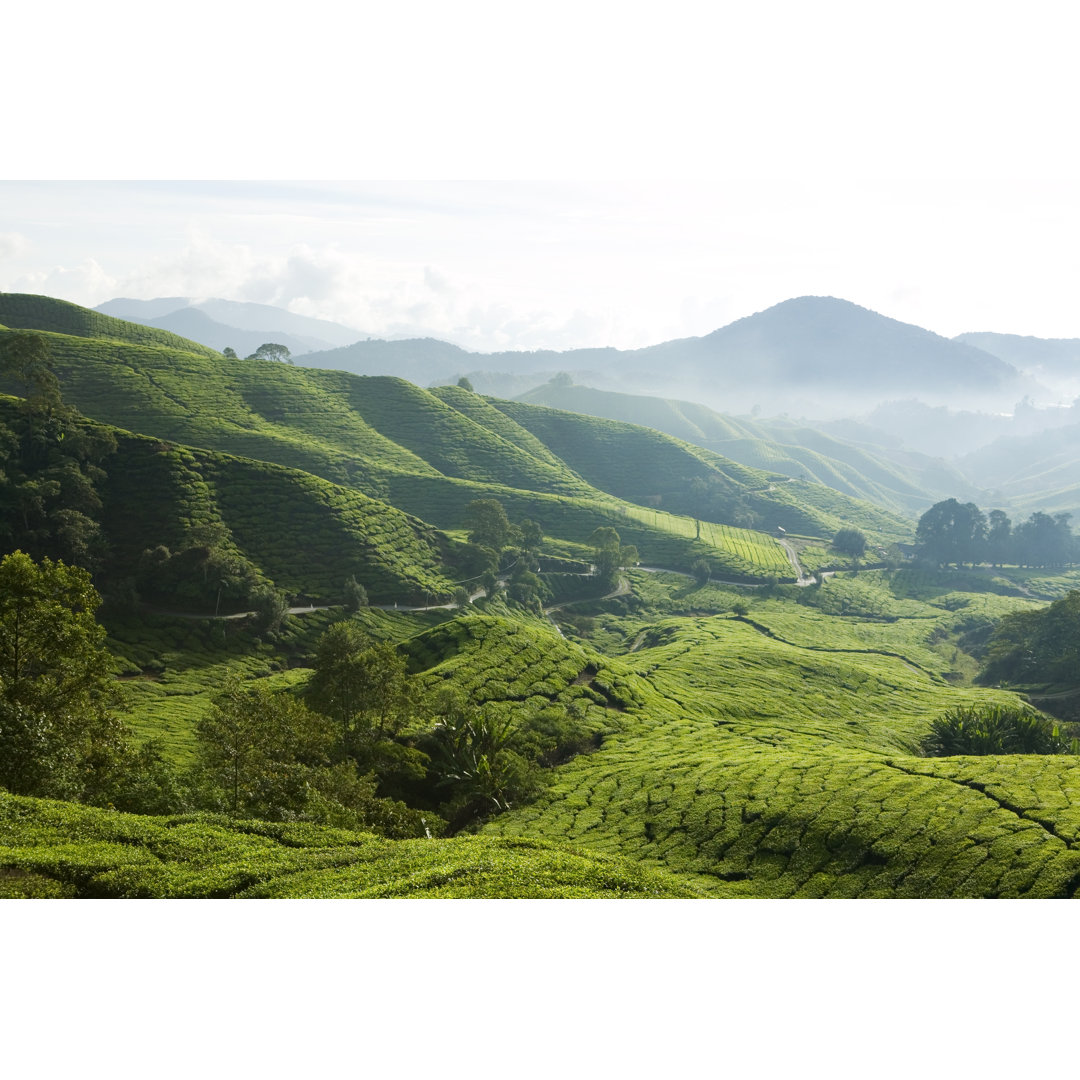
(501, 547)
(715, 499)
(269, 351)
(956, 533)
(850, 542)
(610, 554)
(362, 746)
(1037, 646)
(50, 463)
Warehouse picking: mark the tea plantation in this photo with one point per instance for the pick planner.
(696, 725)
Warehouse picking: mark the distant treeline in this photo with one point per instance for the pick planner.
(951, 532)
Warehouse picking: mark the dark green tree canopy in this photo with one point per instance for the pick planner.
(850, 542)
(951, 532)
(59, 733)
(488, 525)
(270, 351)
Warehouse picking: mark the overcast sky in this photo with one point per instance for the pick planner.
(916, 159)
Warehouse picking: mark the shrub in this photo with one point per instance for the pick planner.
(993, 729)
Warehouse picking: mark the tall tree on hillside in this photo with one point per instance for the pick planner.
(609, 553)
(367, 689)
(256, 749)
(49, 462)
(951, 532)
(1045, 540)
(270, 351)
(59, 734)
(999, 539)
(850, 542)
(488, 525)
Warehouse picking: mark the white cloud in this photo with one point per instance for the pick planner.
(87, 284)
(12, 245)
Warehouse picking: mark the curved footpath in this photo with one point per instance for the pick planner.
(621, 590)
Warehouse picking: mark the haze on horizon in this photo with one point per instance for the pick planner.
(515, 265)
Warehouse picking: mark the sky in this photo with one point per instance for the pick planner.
(524, 265)
(572, 175)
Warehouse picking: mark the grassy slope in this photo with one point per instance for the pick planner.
(647, 466)
(51, 849)
(899, 482)
(773, 756)
(26, 311)
(331, 424)
(305, 534)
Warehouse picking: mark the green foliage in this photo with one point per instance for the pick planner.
(994, 729)
(356, 596)
(59, 735)
(270, 351)
(25, 311)
(254, 750)
(850, 542)
(952, 533)
(271, 607)
(488, 524)
(1037, 646)
(58, 849)
(471, 757)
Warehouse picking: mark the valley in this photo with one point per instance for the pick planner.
(630, 653)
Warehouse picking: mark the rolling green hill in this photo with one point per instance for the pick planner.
(774, 756)
(26, 311)
(902, 482)
(744, 737)
(430, 453)
(50, 849)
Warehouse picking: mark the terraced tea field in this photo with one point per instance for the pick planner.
(776, 756)
(50, 849)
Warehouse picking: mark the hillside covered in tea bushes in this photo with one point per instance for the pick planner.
(378, 640)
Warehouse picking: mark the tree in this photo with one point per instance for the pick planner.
(336, 685)
(952, 533)
(1044, 540)
(473, 760)
(850, 542)
(999, 538)
(364, 686)
(609, 554)
(229, 354)
(271, 607)
(489, 527)
(59, 734)
(49, 463)
(356, 596)
(256, 748)
(465, 384)
(701, 571)
(531, 534)
(270, 351)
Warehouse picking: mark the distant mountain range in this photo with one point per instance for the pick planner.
(808, 356)
(222, 324)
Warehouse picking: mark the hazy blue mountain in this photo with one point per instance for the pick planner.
(241, 326)
(1060, 356)
(195, 324)
(807, 356)
(820, 348)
